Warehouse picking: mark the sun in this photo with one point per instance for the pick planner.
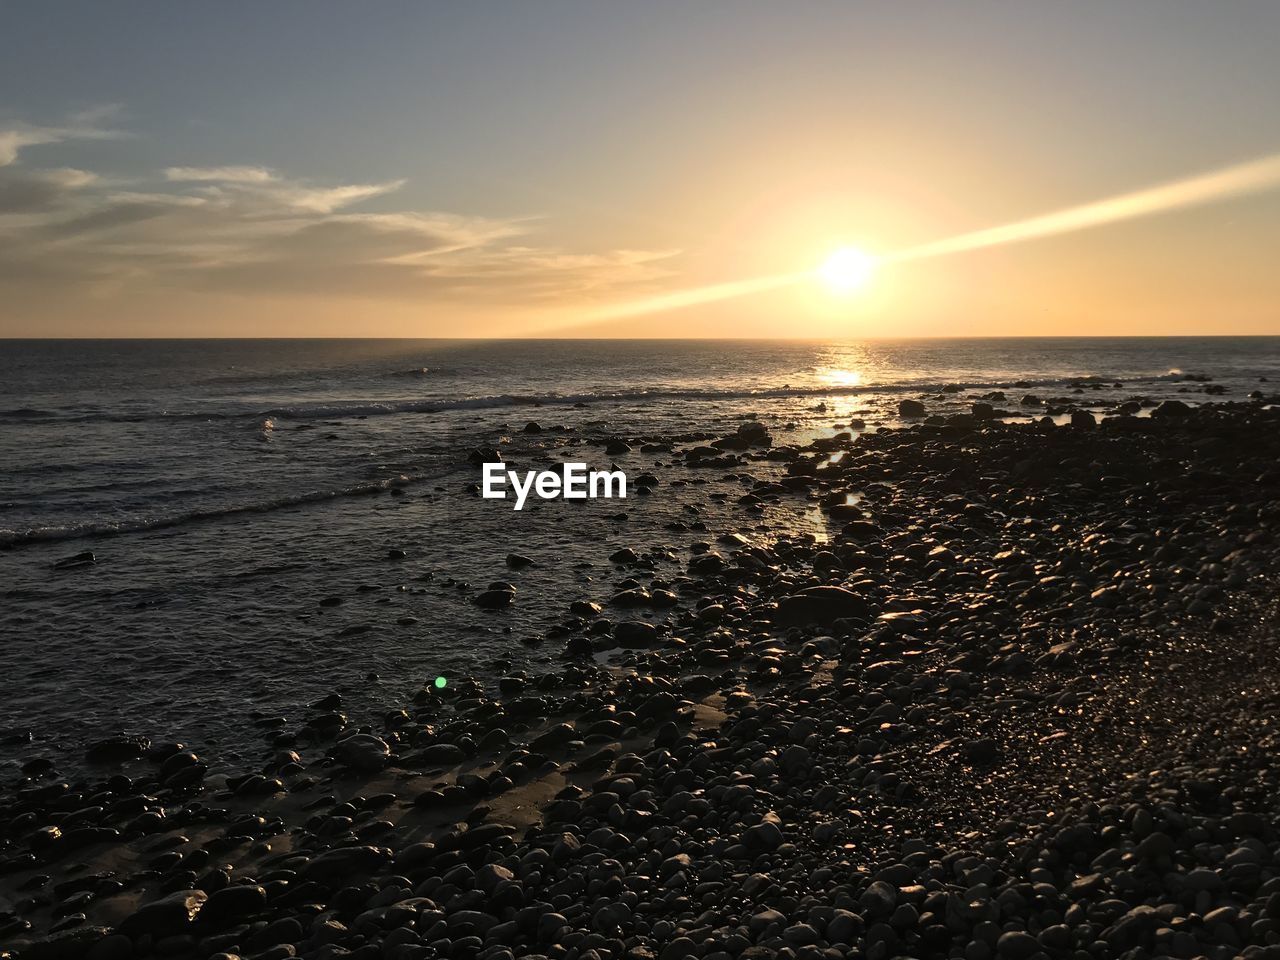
(847, 269)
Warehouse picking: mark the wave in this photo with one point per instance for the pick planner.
(106, 528)
(417, 373)
(369, 408)
(334, 410)
(27, 413)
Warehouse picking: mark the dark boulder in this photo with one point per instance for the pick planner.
(635, 633)
(822, 605)
(1171, 408)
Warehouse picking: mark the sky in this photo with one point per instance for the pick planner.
(540, 168)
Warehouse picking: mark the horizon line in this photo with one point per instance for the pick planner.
(830, 339)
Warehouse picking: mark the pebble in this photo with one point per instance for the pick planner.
(987, 716)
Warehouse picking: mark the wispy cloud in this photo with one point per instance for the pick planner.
(221, 174)
(329, 199)
(39, 190)
(252, 230)
(88, 125)
(266, 185)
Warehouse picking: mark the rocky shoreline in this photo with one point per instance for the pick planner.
(1021, 704)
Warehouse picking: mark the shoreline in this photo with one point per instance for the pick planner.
(937, 733)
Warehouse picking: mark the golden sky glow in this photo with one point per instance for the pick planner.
(846, 270)
(824, 169)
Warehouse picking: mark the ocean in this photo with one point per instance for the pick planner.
(227, 486)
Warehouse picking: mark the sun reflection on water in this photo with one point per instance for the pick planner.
(840, 377)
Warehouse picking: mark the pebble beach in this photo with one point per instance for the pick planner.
(1016, 701)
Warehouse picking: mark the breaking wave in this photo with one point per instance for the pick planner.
(106, 528)
(334, 410)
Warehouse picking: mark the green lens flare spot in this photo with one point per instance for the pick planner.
(441, 683)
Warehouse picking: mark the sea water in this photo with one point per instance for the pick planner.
(226, 487)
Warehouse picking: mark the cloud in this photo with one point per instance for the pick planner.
(548, 274)
(351, 253)
(11, 141)
(329, 199)
(253, 231)
(223, 174)
(81, 126)
(266, 186)
(31, 192)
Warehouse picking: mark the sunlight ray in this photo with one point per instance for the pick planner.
(1236, 180)
(1244, 178)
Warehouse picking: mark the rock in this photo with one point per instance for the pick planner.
(517, 561)
(862, 531)
(495, 599)
(844, 927)
(1083, 419)
(756, 434)
(165, 917)
(511, 686)
(1156, 846)
(363, 752)
(635, 633)
(796, 759)
(910, 408)
(610, 917)
(800, 935)
(748, 435)
(765, 836)
(822, 605)
(548, 926)
(1171, 408)
(1056, 937)
(117, 749)
(232, 904)
(1132, 929)
(284, 931)
(878, 900)
(1017, 945)
(441, 754)
(490, 876)
(342, 862)
(631, 598)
